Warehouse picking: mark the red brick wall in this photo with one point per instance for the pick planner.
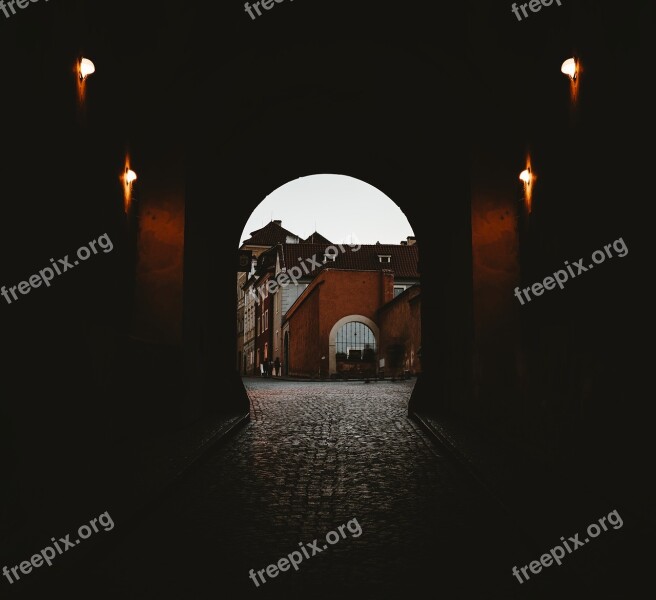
(333, 295)
(305, 350)
(400, 326)
(415, 333)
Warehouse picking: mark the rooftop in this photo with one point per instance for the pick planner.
(271, 234)
(403, 260)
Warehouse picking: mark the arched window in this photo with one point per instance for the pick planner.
(355, 342)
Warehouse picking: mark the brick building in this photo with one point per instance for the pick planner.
(260, 241)
(400, 333)
(324, 309)
(332, 328)
(263, 322)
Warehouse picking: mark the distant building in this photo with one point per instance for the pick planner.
(332, 328)
(331, 310)
(400, 333)
(261, 240)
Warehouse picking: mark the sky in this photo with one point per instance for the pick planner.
(339, 207)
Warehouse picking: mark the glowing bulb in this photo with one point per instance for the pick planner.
(570, 68)
(525, 176)
(86, 68)
(130, 176)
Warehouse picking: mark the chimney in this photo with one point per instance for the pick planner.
(412, 240)
(278, 222)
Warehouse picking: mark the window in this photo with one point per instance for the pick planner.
(355, 342)
(399, 289)
(328, 258)
(266, 320)
(385, 258)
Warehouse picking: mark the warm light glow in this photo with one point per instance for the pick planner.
(128, 177)
(86, 68)
(527, 177)
(570, 68)
(573, 69)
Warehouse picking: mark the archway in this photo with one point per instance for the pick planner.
(388, 158)
(338, 328)
(306, 285)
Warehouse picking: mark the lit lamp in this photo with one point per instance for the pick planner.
(527, 178)
(570, 68)
(85, 68)
(127, 178)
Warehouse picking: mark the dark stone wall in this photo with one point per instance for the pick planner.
(160, 259)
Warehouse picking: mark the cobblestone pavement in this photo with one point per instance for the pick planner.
(315, 456)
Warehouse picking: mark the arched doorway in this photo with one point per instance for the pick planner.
(353, 346)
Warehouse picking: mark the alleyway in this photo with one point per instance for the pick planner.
(315, 456)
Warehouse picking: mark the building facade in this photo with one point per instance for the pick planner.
(259, 242)
(332, 329)
(330, 311)
(400, 334)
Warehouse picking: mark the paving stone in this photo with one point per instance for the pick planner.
(315, 456)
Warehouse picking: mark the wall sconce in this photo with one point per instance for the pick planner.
(570, 68)
(85, 68)
(527, 177)
(128, 177)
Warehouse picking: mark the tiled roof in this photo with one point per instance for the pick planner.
(294, 254)
(317, 238)
(403, 262)
(271, 234)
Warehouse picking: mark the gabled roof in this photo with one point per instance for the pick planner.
(271, 234)
(317, 238)
(292, 255)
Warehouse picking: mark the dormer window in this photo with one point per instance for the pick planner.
(328, 258)
(385, 258)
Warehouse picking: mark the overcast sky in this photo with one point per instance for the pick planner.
(337, 206)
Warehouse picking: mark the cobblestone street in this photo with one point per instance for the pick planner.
(314, 456)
